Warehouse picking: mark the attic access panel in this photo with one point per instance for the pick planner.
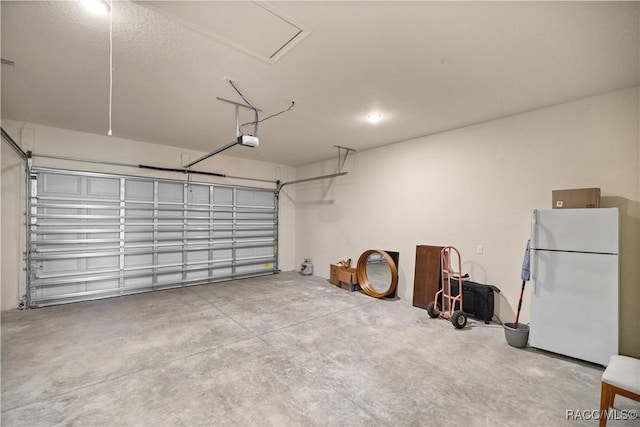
(251, 27)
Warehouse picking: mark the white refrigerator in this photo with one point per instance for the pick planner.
(574, 274)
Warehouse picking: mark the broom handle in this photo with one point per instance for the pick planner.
(519, 305)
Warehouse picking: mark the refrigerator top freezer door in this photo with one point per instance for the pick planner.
(576, 230)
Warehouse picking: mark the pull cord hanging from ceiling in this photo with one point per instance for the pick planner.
(110, 132)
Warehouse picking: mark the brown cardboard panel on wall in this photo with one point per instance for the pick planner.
(578, 198)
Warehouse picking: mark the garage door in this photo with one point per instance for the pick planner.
(98, 235)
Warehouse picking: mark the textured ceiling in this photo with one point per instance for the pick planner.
(427, 66)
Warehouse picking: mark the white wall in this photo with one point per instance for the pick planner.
(65, 143)
(476, 186)
(12, 220)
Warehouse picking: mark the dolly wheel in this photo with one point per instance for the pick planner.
(432, 310)
(459, 319)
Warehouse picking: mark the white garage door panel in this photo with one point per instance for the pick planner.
(103, 187)
(100, 263)
(99, 235)
(61, 184)
(100, 285)
(61, 266)
(139, 190)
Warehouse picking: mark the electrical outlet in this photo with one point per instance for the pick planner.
(479, 250)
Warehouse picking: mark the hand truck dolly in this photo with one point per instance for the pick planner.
(448, 301)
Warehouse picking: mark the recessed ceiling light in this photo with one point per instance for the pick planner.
(99, 7)
(374, 117)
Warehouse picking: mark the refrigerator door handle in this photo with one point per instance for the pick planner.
(534, 223)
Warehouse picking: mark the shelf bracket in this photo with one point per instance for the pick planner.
(341, 160)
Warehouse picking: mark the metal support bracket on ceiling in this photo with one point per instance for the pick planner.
(341, 162)
(238, 133)
(238, 105)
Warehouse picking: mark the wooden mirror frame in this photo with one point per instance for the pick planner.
(363, 280)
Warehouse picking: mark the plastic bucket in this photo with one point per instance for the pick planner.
(516, 337)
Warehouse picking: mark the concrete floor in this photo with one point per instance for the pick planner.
(280, 350)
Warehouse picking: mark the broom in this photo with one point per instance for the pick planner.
(525, 275)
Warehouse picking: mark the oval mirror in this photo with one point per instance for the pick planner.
(377, 273)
